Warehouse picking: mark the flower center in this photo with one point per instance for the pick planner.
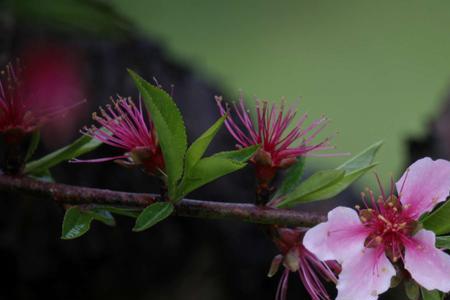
(389, 226)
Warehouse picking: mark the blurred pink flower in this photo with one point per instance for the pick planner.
(297, 259)
(386, 233)
(124, 126)
(42, 86)
(282, 140)
(52, 75)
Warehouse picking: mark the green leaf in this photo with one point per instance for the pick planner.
(443, 242)
(128, 212)
(292, 178)
(361, 160)
(412, 289)
(83, 145)
(152, 214)
(211, 168)
(338, 186)
(430, 295)
(35, 138)
(169, 126)
(207, 170)
(198, 148)
(313, 184)
(326, 184)
(439, 220)
(241, 155)
(76, 223)
(103, 216)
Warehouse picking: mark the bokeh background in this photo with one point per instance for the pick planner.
(380, 70)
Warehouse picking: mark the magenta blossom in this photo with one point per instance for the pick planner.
(385, 234)
(21, 111)
(124, 126)
(281, 140)
(297, 259)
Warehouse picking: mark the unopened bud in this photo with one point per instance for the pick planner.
(275, 265)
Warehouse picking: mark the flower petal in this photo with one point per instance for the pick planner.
(429, 266)
(341, 236)
(423, 185)
(366, 276)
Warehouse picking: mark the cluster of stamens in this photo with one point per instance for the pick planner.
(124, 126)
(389, 226)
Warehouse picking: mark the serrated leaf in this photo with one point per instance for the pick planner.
(430, 295)
(314, 183)
(361, 160)
(169, 126)
(75, 223)
(207, 170)
(292, 178)
(199, 146)
(338, 186)
(412, 290)
(443, 242)
(439, 220)
(83, 145)
(153, 214)
(211, 168)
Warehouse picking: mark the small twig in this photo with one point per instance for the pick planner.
(75, 195)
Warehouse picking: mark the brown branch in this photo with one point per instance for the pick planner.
(75, 195)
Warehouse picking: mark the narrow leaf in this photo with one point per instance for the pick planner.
(152, 215)
(443, 242)
(198, 148)
(241, 155)
(207, 170)
(430, 295)
(316, 182)
(75, 223)
(211, 168)
(83, 145)
(439, 220)
(169, 126)
(292, 178)
(361, 160)
(338, 186)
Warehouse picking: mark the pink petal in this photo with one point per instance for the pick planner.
(366, 276)
(427, 183)
(341, 236)
(429, 266)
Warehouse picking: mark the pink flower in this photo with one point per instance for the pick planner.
(124, 126)
(297, 259)
(368, 245)
(281, 143)
(22, 109)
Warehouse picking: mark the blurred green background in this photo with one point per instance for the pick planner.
(378, 69)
